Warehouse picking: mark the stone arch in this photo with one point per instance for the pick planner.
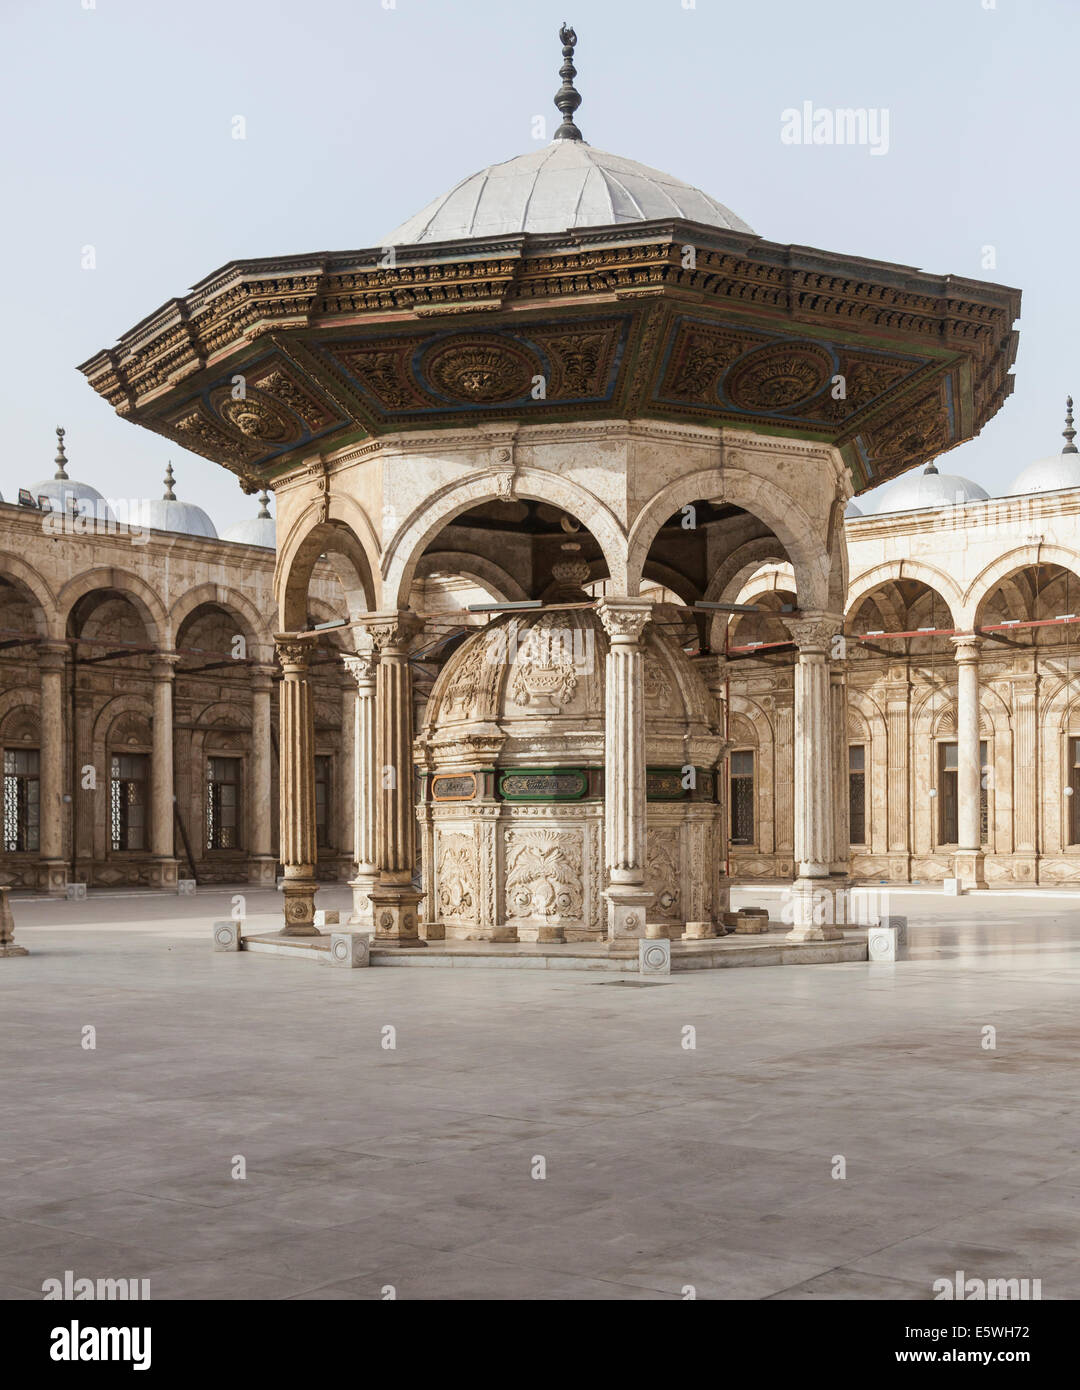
(20, 712)
(308, 540)
(738, 488)
(253, 622)
(141, 596)
(863, 585)
(425, 522)
(1005, 566)
(479, 568)
(671, 579)
(35, 590)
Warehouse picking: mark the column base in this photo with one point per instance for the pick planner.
(262, 871)
(811, 909)
(54, 873)
(627, 904)
(300, 907)
(164, 873)
(397, 916)
(969, 866)
(361, 887)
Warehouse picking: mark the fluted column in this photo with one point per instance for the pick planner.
(813, 908)
(1025, 780)
(840, 864)
(968, 861)
(394, 900)
(163, 870)
(262, 866)
(51, 664)
(297, 758)
(625, 831)
(899, 826)
(363, 669)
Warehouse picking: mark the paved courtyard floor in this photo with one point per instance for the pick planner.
(418, 1166)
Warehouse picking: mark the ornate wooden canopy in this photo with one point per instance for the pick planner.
(268, 362)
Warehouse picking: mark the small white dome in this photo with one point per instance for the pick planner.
(255, 530)
(1048, 475)
(169, 515)
(73, 498)
(852, 509)
(931, 489)
(565, 184)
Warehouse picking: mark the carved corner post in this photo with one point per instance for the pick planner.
(163, 869)
(52, 658)
(362, 668)
(627, 897)
(969, 862)
(812, 893)
(262, 866)
(394, 901)
(297, 754)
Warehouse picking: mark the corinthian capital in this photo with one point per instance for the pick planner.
(361, 667)
(392, 632)
(814, 632)
(624, 619)
(294, 651)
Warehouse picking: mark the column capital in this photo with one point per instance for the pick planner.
(163, 665)
(362, 667)
(262, 676)
(294, 651)
(966, 647)
(392, 631)
(624, 619)
(52, 655)
(813, 632)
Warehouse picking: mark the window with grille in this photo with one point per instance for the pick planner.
(322, 801)
(742, 798)
(127, 801)
(948, 795)
(223, 803)
(857, 794)
(1074, 783)
(22, 800)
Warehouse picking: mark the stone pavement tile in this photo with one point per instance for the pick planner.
(854, 1284)
(935, 1255)
(87, 1256)
(329, 1255)
(214, 1279)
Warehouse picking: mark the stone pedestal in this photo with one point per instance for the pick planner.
(397, 916)
(7, 927)
(298, 852)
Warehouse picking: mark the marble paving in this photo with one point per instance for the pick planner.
(666, 1168)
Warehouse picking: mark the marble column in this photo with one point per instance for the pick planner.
(625, 832)
(813, 907)
(899, 825)
(1026, 780)
(262, 865)
(840, 866)
(164, 868)
(394, 900)
(968, 861)
(52, 658)
(363, 668)
(297, 759)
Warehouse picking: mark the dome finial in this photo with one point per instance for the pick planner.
(60, 475)
(169, 496)
(1068, 432)
(931, 467)
(264, 510)
(568, 98)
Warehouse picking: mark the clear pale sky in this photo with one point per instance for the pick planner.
(118, 127)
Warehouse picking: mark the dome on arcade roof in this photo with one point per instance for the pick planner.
(930, 488)
(566, 184)
(69, 496)
(254, 530)
(167, 514)
(852, 509)
(1053, 473)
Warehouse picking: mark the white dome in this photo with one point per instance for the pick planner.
(852, 509)
(64, 492)
(169, 515)
(1048, 475)
(566, 184)
(254, 530)
(931, 489)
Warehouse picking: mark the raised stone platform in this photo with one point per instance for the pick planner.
(768, 948)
